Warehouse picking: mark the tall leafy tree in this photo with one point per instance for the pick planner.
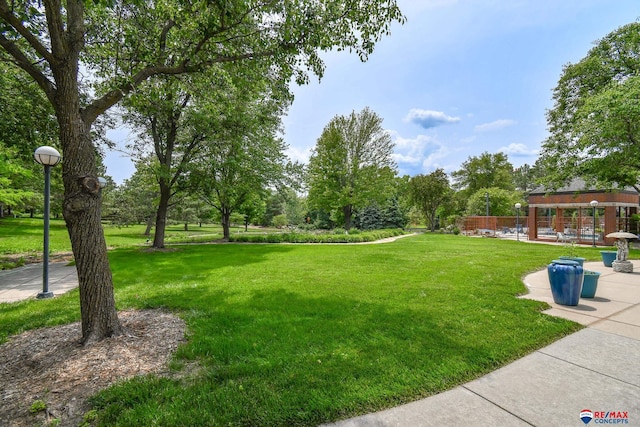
(484, 171)
(351, 165)
(243, 154)
(26, 122)
(501, 202)
(430, 192)
(525, 178)
(124, 44)
(171, 124)
(12, 170)
(595, 121)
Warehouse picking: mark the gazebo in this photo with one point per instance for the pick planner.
(580, 213)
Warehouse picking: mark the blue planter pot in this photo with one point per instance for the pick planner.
(577, 259)
(565, 278)
(608, 257)
(589, 284)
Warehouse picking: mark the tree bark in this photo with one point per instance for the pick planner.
(147, 231)
(226, 223)
(347, 216)
(161, 214)
(81, 209)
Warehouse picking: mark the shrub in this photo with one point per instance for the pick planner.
(335, 237)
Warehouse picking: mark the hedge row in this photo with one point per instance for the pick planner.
(297, 237)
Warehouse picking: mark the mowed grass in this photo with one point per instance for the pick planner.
(25, 235)
(304, 334)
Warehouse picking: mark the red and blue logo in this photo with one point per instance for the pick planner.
(604, 417)
(586, 416)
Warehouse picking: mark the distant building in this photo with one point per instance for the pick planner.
(568, 213)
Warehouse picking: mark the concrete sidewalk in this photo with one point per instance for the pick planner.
(597, 368)
(26, 282)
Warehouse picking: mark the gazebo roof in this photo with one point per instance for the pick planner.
(578, 185)
(578, 195)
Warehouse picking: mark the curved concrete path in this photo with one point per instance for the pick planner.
(26, 282)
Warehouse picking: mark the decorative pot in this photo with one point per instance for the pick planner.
(577, 259)
(589, 284)
(565, 278)
(608, 257)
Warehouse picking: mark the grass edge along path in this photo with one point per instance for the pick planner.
(301, 335)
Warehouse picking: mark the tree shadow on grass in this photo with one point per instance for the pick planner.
(281, 358)
(186, 262)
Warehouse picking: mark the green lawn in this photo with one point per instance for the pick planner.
(304, 334)
(25, 235)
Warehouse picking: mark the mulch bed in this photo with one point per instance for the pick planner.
(50, 365)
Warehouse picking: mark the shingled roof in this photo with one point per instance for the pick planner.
(578, 185)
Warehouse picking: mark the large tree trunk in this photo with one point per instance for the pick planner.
(81, 209)
(147, 231)
(226, 223)
(161, 214)
(347, 210)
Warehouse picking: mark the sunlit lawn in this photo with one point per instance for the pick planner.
(25, 235)
(305, 334)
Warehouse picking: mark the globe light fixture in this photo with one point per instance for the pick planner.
(47, 156)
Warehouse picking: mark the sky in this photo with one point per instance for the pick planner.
(457, 79)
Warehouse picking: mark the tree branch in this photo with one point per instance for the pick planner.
(55, 24)
(100, 105)
(7, 15)
(23, 62)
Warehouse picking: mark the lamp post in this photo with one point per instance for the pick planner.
(518, 206)
(594, 204)
(47, 157)
(486, 198)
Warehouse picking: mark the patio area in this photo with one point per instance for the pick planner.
(615, 308)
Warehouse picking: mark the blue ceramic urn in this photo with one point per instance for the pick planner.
(565, 277)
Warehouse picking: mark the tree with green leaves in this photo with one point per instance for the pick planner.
(351, 165)
(242, 154)
(501, 202)
(172, 123)
(12, 170)
(429, 193)
(484, 171)
(595, 121)
(124, 44)
(26, 122)
(525, 177)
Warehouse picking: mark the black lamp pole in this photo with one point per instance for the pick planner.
(594, 204)
(48, 157)
(518, 206)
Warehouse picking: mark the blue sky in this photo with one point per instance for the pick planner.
(459, 78)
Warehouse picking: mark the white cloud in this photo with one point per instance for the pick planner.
(518, 150)
(429, 119)
(496, 125)
(297, 154)
(418, 155)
